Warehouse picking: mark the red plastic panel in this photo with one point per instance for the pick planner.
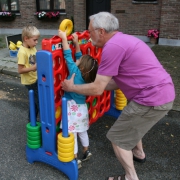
(97, 105)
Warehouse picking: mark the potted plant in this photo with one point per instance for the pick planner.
(42, 15)
(7, 16)
(154, 35)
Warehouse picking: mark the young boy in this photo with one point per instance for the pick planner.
(27, 62)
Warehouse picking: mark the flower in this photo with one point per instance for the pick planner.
(7, 14)
(47, 15)
(71, 128)
(74, 108)
(153, 33)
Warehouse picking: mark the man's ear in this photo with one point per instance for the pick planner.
(102, 31)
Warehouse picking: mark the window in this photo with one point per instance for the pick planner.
(145, 1)
(9, 5)
(51, 5)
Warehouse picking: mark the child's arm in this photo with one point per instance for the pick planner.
(75, 42)
(63, 36)
(78, 50)
(22, 69)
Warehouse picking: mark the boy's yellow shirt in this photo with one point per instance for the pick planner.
(27, 57)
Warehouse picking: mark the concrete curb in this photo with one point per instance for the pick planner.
(11, 72)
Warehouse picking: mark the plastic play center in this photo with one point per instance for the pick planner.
(46, 142)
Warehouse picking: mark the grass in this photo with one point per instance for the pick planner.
(2, 41)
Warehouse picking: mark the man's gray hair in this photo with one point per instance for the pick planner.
(106, 21)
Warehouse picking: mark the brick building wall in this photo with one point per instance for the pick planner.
(79, 15)
(27, 16)
(135, 19)
(170, 19)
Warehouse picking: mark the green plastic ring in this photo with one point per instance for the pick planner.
(34, 133)
(34, 128)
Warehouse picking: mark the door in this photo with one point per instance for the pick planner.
(95, 6)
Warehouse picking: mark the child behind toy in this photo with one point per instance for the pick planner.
(85, 69)
(27, 62)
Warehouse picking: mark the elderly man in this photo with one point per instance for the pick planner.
(128, 64)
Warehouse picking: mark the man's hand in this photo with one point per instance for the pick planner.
(68, 85)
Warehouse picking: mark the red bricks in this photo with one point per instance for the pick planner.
(135, 19)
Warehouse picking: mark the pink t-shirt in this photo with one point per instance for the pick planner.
(136, 70)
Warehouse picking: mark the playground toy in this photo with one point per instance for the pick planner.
(47, 153)
(121, 100)
(13, 46)
(18, 44)
(66, 25)
(65, 139)
(45, 141)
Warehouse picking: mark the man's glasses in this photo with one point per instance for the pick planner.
(93, 30)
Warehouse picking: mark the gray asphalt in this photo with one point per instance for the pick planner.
(161, 144)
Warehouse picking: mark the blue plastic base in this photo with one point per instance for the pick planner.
(113, 112)
(68, 168)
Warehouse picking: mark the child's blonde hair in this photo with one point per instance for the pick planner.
(30, 31)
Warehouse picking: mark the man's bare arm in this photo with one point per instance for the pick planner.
(95, 88)
(111, 85)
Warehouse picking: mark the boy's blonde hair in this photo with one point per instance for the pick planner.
(30, 31)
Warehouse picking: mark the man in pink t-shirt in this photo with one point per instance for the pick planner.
(127, 64)
(136, 70)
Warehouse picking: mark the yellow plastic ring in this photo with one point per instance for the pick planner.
(65, 146)
(121, 101)
(121, 98)
(63, 159)
(65, 140)
(118, 91)
(65, 155)
(120, 105)
(119, 108)
(66, 150)
(120, 95)
(94, 113)
(66, 25)
(58, 112)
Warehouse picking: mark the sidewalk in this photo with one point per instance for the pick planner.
(168, 56)
(8, 65)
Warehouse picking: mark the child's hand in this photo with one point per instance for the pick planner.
(75, 38)
(62, 34)
(34, 67)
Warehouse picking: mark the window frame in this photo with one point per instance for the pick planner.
(51, 7)
(144, 1)
(9, 7)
